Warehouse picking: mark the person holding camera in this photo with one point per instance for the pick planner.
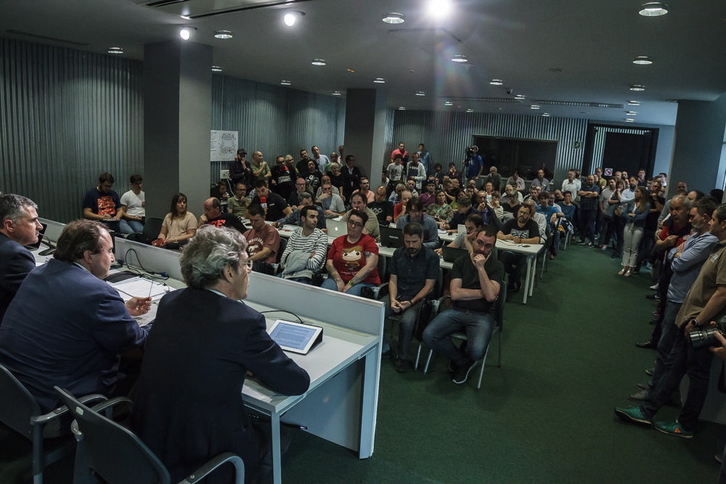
(473, 163)
(705, 300)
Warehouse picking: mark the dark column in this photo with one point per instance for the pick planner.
(365, 125)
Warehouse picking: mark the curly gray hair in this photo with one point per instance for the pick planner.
(208, 253)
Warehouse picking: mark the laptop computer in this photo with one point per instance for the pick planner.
(450, 254)
(391, 237)
(336, 228)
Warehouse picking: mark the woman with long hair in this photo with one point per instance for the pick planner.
(179, 225)
(440, 210)
(634, 213)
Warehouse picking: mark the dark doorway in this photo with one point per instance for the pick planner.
(621, 149)
(525, 155)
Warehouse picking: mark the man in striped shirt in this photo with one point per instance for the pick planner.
(306, 250)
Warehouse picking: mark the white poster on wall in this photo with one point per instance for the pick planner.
(223, 146)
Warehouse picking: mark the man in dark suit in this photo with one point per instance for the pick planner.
(19, 226)
(189, 405)
(66, 326)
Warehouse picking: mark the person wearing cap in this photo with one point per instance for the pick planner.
(239, 169)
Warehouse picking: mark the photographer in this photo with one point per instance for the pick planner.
(473, 164)
(720, 351)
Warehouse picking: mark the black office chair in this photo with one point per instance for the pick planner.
(20, 411)
(152, 228)
(499, 326)
(119, 456)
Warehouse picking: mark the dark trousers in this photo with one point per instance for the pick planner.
(588, 219)
(513, 265)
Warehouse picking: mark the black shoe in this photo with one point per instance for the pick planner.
(386, 355)
(462, 373)
(515, 287)
(640, 396)
(647, 344)
(650, 371)
(453, 367)
(641, 386)
(402, 365)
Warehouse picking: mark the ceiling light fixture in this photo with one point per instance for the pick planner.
(448, 103)
(292, 17)
(519, 97)
(379, 80)
(546, 115)
(420, 93)
(439, 8)
(459, 58)
(633, 103)
(637, 87)
(629, 120)
(534, 106)
(631, 113)
(216, 69)
(642, 60)
(223, 34)
(285, 82)
(393, 18)
(401, 108)
(496, 82)
(653, 9)
(318, 62)
(115, 50)
(336, 93)
(186, 32)
(469, 110)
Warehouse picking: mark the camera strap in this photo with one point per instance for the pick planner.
(721, 382)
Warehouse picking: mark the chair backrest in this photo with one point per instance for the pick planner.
(114, 452)
(499, 306)
(283, 245)
(17, 405)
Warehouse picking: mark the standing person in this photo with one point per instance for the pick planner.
(239, 169)
(474, 164)
(634, 213)
(103, 203)
(66, 326)
(416, 171)
(260, 169)
(394, 173)
(589, 195)
(351, 176)
(609, 201)
(313, 177)
(133, 204)
(425, 158)
(205, 341)
(338, 180)
(19, 226)
(352, 261)
(302, 165)
(401, 150)
(476, 280)
(320, 159)
(179, 225)
(282, 180)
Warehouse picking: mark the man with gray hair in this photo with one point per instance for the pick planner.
(19, 226)
(204, 343)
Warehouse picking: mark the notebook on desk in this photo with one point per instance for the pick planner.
(336, 228)
(450, 254)
(391, 237)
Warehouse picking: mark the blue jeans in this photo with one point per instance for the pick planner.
(665, 344)
(478, 327)
(406, 325)
(353, 291)
(131, 226)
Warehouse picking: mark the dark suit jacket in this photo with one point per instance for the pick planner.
(16, 262)
(189, 406)
(66, 327)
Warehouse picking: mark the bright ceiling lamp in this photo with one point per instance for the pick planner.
(420, 93)
(534, 106)
(379, 80)
(292, 17)
(653, 9)
(223, 34)
(642, 60)
(115, 50)
(459, 58)
(448, 103)
(186, 32)
(393, 18)
(470, 110)
(633, 103)
(496, 82)
(439, 8)
(336, 93)
(519, 97)
(285, 82)
(637, 87)
(318, 62)
(216, 69)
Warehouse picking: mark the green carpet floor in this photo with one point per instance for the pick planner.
(545, 416)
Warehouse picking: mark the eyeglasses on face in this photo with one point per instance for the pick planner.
(355, 224)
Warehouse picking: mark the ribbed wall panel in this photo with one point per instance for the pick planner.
(67, 116)
(598, 145)
(447, 134)
(275, 120)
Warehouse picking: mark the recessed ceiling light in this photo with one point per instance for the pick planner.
(336, 93)
(637, 87)
(186, 32)
(534, 106)
(439, 8)
(629, 120)
(285, 82)
(642, 60)
(633, 103)
(469, 110)
(459, 58)
(393, 18)
(420, 93)
(448, 103)
(546, 115)
(292, 17)
(519, 97)
(401, 108)
(185, 17)
(223, 34)
(318, 62)
(115, 50)
(379, 80)
(495, 82)
(216, 69)
(653, 9)
(631, 113)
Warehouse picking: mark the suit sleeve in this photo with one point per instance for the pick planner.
(114, 328)
(17, 269)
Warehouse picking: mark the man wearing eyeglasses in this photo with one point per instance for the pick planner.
(359, 202)
(331, 203)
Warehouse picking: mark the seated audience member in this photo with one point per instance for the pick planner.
(275, 206)
(481, 205)
(511, 200)
(516, 181)
(263, 239)
(205, 341)
(103, 204)
(213, 215)
(440, 210)
(552, 216)
(358, 202)
(220, 192)
(306, 250)
(395, 196)
(453, 173)
(465, 240)
(475, 284)
(365, 189)
(325, 180)
(179, 225)
(239, 204)
(496, 206)
(539, 219)
(414, 270)
(415, 214)
(494, 178)
(332, 204)
(382, 208)
(19, 226)
(295, 218)
(352, 261)
(520, 230)
(411, 187)
(133, 204)
(534, 192)
(463, 210)
(74, 337)
(429, 196)
(313, 177)
(399, 209)
(293, 199)
(438, 174)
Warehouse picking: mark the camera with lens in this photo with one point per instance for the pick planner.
(707, 337)
(470, 151)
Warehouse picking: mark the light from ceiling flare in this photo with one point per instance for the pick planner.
(216, 69)
(186, 32)
(653, 9)
(534, 106)
(379, 80)
(318, 62)
(223, 34)
(448, 103)
(285, 82)
(519, 97)
(292, 17)
(336, 93)
(459, 58)
(439, 9)
(633, 103)
(393, 18)
(420, 93)
(642, 60)
(637, 87)
(496, 82)
(116, 50)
